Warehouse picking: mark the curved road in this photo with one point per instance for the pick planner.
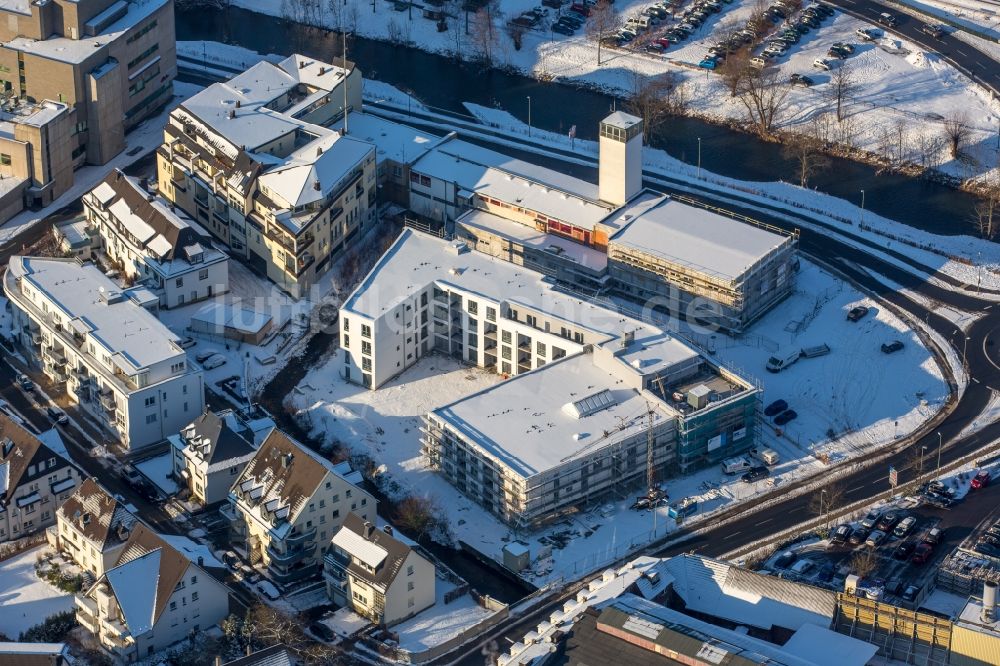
(969, 60)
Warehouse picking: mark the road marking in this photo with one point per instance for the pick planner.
(961, 53)
(764, 521)
(853, 489)
(975, 380)
(734, 534)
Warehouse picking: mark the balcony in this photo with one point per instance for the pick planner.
(108, 400)
(299, 539)
(290, 556)
(304, 243)
(304, 262)
(285, 576)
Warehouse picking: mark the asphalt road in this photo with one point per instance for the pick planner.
(969, 60)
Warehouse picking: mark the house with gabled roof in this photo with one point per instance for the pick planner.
(153, 597)
(211, 451)
(380, 576)
(34, 480)
(92, 527)
(287, 503)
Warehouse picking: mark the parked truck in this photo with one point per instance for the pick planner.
(735, 465)
(769, 457)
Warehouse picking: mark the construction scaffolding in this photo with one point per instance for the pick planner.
(904, 635)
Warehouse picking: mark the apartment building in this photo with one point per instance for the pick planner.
(287, 504)
(211, 452)
(116, 360)
(613, 237)
(112, 62)
(153, 597)
(35, 163)
(376, 574)
(263, 163)
(152, 243)
(92, 528)
(588, 386)
(34, 481)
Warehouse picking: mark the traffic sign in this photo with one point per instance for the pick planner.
(893, 476)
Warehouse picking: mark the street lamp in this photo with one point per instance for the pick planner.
(862, 206)
(940, 443)
(822, 496)
(529, 115)
(699, 154)
(923, 449)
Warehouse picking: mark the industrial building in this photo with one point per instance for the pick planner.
(590, 387)
(257, 162)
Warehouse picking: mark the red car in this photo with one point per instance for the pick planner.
(980, 480)
(922, 553)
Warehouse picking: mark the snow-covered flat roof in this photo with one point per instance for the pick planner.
(538, 240)
(694, 237)
(530, 186)
(123, 327)
(393, 141)
(522, 422)
(233, 316)
(69, 50)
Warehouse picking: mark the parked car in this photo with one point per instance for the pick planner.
(892, 347)
(562, 29)
(910, 593)
(904, 526)
(758, 62)
(800, 80)
(922, 553)
(322, 632)
(885, 18)
(980, 480)
(654, 47)
(868, 522)
(131, 475)
(25, 383)
(843, 46)
(186, 343)
(213, 361)
(775, 408)
(888, 521)
(822, 63)
(230, 559)
(836, 53)
(57, 415)
(858, 536)
(903, 551)
(204, 355)
(802, 567)
(865, 34)
(935, 31)
(755, 474)
(875, 539)
(785, 417)
(840, 535)
(856, 313)
(784, 560)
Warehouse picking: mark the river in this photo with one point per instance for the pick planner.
(441, 82)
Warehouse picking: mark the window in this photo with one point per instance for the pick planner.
(203, 274)
(491, 314)
(409, 570)
(506, 336)
(150, 418)
(194, 596)
(366, 363)
(409, 602)
(177, 367)
(578, 337)
(150, 400)
(5, 159)
(473, 307)
(347, 342)
(173, 605)
(409, 586)
(179, 282)
(366, 347)
(540, 348)
(505, 352)
(366, 331)
(347, 325)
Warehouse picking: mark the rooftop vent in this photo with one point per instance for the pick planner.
(368, 529)
(388, 529)
(988, 615)
(590, 405)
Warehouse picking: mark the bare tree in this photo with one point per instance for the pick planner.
(604, 21)
(864, 562)
(957, 131)
(653, 99)
(764, 95)
(734, 68)
(515, 29)
(986, 215)
(842, 89)
(827, 499)
(928, 147)
(418, 515)
(482, 34)
(807, 151)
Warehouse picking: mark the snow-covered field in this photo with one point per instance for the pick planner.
(907, 88)
(855, 392)
(440, 622)
(25, 599)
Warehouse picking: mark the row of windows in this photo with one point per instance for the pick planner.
(142, 56)
(142, 31)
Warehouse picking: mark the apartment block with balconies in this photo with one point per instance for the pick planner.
(152, 598)
(262, 162)
(34, 481)
(92, 528)
(287, 504)
(116, 360)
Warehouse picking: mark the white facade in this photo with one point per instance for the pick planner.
(116, 359)
(620, 162)
(92, 528)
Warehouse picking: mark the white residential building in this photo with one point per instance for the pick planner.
(116, 359)
(376, 574)
(153, 597)
(153, 243)
(34, 481)
(589, 383)
(212, 451)
(92, 528)
(287, 504)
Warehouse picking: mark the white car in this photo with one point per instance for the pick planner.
(865, 34)
(204, 355)
(213, 361)
(822, 63)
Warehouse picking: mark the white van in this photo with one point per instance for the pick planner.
(769, 457)
(782, 359)
(640, 22)
(735, 465)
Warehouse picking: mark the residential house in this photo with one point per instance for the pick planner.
(153, 243)
(92, 527)
(34, 481)
(276, 655)
(211, 452)
(153, 597)
(287, 504)
(35, 654)
(116, 360)
(379, 576)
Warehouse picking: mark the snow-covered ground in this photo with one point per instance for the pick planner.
(907, 88)
(853, 392)
(157, 470)
(25, 599)
(441, 622)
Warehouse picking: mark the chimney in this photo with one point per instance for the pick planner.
(231, 114)
(388, 529)
(286, 460)
(316, 185)
(989, 615)
(319, 150)
(322, 71)
(237, 104)
(302, 64)
(368, 530)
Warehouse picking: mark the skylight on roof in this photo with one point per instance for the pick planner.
(590, 405)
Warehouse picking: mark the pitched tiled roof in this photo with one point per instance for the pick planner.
(276, 655)
(395, 551)
(97, 515)
(219, 442)
(19, 449)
